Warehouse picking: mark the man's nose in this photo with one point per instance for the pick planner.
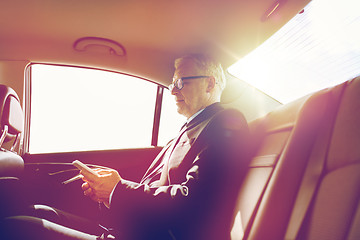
(174, 90)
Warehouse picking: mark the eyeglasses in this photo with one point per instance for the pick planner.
(179, 83)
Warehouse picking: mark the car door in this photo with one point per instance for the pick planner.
(101, 118)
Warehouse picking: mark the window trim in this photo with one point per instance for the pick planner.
(157, 114)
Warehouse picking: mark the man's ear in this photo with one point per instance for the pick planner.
(211, 84)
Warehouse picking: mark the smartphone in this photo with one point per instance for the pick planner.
(84, 168)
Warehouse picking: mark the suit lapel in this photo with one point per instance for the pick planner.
(182, 148)
(187, 137)
(156, 165)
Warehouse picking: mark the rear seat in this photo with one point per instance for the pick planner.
(334, 212)
(284, 141)
(270, 135)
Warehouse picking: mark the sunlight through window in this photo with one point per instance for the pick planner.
(78, 109)
(318, 48)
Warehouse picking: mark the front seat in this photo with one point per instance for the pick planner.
(11, 163)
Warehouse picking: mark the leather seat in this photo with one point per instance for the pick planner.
(11, 163)
(11, 127)
(304, 179)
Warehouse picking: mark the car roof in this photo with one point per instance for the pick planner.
(146, 36)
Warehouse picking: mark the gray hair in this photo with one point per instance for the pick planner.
(208, 65)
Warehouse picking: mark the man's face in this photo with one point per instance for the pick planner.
(194, 95)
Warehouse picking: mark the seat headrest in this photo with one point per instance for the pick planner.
(11, 114)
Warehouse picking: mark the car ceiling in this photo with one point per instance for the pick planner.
(151, 33)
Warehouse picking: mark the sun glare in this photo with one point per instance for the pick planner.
(87, 109)
(318, 48)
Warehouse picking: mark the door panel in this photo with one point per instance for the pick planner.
(44, 174)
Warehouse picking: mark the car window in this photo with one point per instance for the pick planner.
(80, 109)
(171, 121)
(314, 50)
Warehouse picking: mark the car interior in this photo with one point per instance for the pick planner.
(303, 181)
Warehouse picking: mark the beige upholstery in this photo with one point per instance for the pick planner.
(270, 135)
(335, 211)
(287, 143)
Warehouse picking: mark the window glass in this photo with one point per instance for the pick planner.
(318, 48)
(171, 121)
(79, 109)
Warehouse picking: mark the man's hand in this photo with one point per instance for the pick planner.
(99, 188)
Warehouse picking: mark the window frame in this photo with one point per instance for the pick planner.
(28, 98)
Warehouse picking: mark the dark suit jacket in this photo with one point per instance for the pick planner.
(203, 176)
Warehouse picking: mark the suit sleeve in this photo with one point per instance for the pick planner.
(217, 157)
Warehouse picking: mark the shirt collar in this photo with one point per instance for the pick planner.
(193, 116)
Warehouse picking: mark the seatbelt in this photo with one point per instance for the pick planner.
(315, 168)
